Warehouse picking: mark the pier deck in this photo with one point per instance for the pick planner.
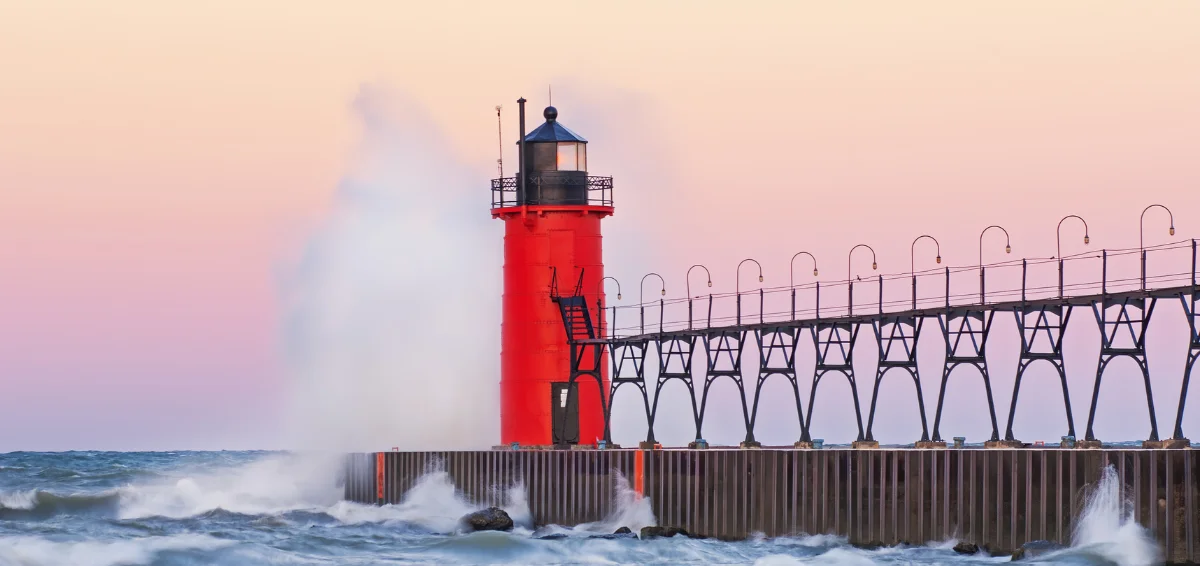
(998, 499)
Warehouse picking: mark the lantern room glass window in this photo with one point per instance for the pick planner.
(572, 156)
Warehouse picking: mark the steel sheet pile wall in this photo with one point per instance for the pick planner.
(561, 487)
(994, 498)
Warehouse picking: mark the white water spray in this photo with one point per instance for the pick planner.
(1107, 528)
(392, 310)
(271, 485)
(629, 509)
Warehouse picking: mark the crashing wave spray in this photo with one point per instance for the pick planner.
(435, 504)
(629, 509)
(391, 310)
(1107, 528)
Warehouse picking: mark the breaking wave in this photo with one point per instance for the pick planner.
(33, 551)
(267, 486)
(290, 505)
(39, 504)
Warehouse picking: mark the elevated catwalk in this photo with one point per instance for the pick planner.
(994, 498)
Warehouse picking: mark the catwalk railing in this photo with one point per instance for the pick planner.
(1120, 288)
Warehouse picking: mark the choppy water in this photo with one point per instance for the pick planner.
(191, 508)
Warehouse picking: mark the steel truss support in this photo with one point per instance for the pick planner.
(1190, 300)
(586, 358)
(1043, 340)
(777, 356)
(1190, 303)
(966, 330)
(723, 349)
(1117, 318)
(896, 337)
(834, 343)
(628, 357)
(675, 353)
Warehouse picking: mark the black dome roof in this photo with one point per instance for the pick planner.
(552, 131)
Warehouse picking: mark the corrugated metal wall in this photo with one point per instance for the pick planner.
(997, 498)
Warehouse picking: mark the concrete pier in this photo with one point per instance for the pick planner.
(998, 499)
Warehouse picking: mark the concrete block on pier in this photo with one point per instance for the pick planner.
(1003, 444)
(1168, 444)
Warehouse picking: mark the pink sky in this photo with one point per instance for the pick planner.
(159, 164)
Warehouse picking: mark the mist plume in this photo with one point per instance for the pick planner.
(392, 309)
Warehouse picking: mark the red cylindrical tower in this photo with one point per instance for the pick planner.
(551, 211)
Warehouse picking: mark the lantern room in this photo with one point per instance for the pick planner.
(556, 164)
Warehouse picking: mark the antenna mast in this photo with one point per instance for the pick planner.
(500, 132)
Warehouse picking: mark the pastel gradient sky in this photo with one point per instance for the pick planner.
(160, 163)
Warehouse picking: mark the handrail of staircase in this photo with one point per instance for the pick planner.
(579, 285)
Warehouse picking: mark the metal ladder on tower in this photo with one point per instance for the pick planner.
(577, 320)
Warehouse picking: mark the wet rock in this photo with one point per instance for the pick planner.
(555, 536)
(628, 534)
(621, 533)
(676, 531)
(662, 532)
(490, 519)
(648, 533)
(966, 548)
(1035, 548)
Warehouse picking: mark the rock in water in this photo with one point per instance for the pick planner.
(661, 532)
(490, 519)
(620, 533)
(966, 548)
(616, 536)
(555, 536)
(650, 532)
(1036, 548)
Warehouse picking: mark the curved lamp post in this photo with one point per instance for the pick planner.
(688, 284)
(1142, 235)
(1007, 250)
(642, 296)
(614, 279)
(912, 263)
(689, 277)
(1058, 239)
(737, 286)
(792, 276)
(850, 276)
(600, 300)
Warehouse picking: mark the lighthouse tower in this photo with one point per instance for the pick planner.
(551, 211)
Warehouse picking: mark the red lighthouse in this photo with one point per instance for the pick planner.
(551, 212)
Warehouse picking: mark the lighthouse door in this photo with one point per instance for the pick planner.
(564, 411)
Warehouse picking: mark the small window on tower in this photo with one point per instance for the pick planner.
(582, 156)
(568, 157)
